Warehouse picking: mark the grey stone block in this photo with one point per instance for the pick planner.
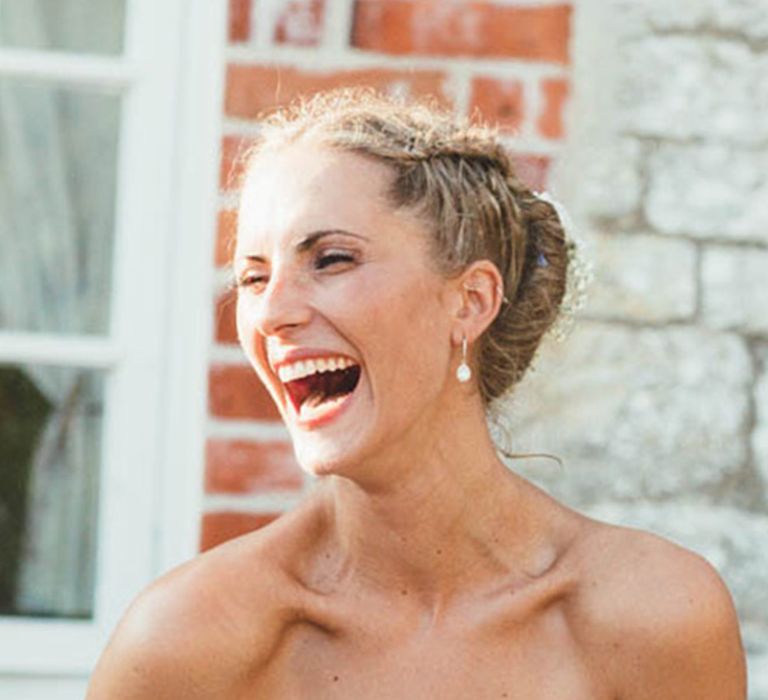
(745, 17)
(735, 289)
(758, 677)
(634, 413)
(709, 192)
(760, 432)
(610, 179)
(642, 278)
(689, 87)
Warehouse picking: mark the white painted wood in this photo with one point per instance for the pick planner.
(67, 68)
(133, 460)
(146, 297)
(43, 687)
(39, 646)
(51, 349)
(190, 324)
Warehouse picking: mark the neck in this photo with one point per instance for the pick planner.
(448, 518)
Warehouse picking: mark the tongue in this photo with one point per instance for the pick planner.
(323, 386)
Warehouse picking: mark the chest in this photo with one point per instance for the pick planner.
(538, 660)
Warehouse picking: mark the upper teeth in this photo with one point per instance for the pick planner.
(305, 368)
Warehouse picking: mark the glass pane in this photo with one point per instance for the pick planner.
(58, 161)
(50, 441)
(89, 26)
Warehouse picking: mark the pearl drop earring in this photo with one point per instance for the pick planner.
(463, 372)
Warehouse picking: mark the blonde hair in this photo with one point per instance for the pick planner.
(459, 178)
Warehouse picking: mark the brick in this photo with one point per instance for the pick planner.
(479, 29)
(499, 101)
(239, 466)
(554, 93)
(252, 90)
(217, 528)
(533, 170)
(225, 319)
(234, 391)
(239, 20)
(233, 156)
(300, 23)
(226, 230)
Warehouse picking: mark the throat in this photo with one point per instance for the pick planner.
(434, 545)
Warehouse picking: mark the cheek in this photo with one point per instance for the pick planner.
(244, 331)
(251, 341)
(404, 333)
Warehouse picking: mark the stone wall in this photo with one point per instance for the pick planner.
(658, 400)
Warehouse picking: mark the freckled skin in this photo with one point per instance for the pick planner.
(419, 566)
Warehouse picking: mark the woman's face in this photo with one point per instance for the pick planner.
(339, 310)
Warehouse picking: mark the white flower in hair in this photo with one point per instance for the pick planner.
(580, 270)
(562, 213)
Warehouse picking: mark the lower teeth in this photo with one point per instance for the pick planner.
(311, 407)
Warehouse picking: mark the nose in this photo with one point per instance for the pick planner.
(282, 306)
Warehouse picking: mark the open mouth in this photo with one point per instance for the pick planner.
(316, 386)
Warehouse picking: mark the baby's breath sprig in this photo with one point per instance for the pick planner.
(580, 272)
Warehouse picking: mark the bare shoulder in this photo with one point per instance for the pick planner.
(196, 630)
(659, 616)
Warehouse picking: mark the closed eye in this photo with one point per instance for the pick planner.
(252, 279)
(333, 257)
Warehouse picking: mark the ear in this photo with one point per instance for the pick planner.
(480, 291)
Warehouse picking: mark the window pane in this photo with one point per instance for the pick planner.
(58, 160)
(90, 26)
(50, 440)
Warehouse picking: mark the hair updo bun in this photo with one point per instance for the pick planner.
(458, 176)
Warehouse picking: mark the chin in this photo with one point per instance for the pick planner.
(326, 457)
(340, 449)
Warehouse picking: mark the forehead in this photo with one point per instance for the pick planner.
(305, 187)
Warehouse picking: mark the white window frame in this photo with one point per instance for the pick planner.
(170, 77)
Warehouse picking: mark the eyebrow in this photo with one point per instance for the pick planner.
(310, 239)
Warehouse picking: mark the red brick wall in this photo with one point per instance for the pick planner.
(506, 60)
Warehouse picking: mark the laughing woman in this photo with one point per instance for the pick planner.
(395, 278)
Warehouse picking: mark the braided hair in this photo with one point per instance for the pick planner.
(457, 176)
